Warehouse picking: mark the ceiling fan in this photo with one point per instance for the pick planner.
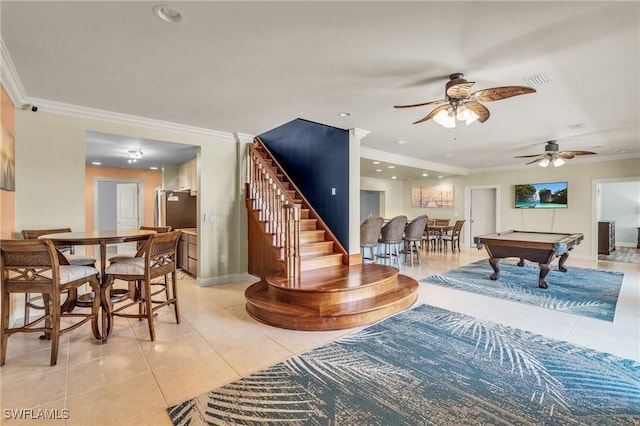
(553, 155)
(459, 103)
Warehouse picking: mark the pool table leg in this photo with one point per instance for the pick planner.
(563, 259)
(544, 270)
(496, 268)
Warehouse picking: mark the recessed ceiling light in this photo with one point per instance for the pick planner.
(440, 177)
(168, 14)
(401, 142)
(378, 170)
(96, 163)
(425, 174)
(376, 162)
(393, 177)
(344, 114)
(391, 167)
(153, 168)
(448, 155)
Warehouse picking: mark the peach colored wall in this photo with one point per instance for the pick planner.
(152, 179)
(7, 198)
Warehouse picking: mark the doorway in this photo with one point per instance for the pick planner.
(618, 200)
(481, 211)
(370, 202)
(117, 204)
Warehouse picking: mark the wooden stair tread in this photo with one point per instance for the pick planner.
(265, 307)
(336, 278)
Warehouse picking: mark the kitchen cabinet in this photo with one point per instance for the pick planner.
(188, 176)
(188, 253)
(606, 237)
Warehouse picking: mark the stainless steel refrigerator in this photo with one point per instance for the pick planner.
(177, 209)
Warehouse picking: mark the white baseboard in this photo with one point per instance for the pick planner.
(223, 279)
(630, 245)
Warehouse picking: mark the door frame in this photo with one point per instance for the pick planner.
(596, 209)
(467, 210)
(115, 181)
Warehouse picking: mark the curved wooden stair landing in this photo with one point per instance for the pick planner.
(331, 298)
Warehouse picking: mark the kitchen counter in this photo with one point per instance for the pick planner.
(190, 231)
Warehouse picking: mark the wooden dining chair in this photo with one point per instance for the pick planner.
(131, 254)
(156, 258)
(31, 302)
(429, 237)
(33, 266)
(454, 237)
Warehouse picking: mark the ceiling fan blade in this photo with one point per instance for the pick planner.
(432, 113)
(565, 155)
(498, 93)
(529, 156)
(460, 90)
(574, 153)
(479, 109)
(540, 158)
(418, 105)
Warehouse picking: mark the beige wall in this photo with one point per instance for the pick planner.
(392, 199)
(578, 217)
(50, 183)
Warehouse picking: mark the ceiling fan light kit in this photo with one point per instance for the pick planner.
(462, 105)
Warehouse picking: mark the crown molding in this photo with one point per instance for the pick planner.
(389, 157)
(360, 133)
(119, 118)
(10, 79)
(244, 137)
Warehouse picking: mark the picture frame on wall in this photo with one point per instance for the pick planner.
(7, 161)
(439, 197)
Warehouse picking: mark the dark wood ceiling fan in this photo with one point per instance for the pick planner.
(461, 104)
(553, 155)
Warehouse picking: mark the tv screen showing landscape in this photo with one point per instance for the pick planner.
(550, 195)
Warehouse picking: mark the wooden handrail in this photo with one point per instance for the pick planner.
(277, 209)
(306, 204)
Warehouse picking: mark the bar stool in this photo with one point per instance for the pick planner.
(369, 234)
(391, 238)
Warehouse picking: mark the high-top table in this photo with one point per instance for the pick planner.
(101, 238)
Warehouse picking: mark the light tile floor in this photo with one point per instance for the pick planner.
(131, 380)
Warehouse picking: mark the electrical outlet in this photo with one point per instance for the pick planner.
(222, 258)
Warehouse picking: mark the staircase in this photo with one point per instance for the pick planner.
(306, 280)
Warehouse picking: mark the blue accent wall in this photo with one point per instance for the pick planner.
(316, 158)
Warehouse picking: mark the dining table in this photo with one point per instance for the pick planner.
(102, 239)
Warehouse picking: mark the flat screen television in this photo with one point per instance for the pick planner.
(550, 195)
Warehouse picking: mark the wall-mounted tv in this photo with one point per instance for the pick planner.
(550, 195)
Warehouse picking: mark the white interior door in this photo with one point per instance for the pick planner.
(127, 211)
(482, 213)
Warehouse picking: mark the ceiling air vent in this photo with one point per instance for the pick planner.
(537, 80)
(577, 126)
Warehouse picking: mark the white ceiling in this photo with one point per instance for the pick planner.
(248, 67)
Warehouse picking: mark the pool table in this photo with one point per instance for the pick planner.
(540, 247)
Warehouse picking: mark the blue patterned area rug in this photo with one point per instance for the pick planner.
(580, 291)
(430, 366)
